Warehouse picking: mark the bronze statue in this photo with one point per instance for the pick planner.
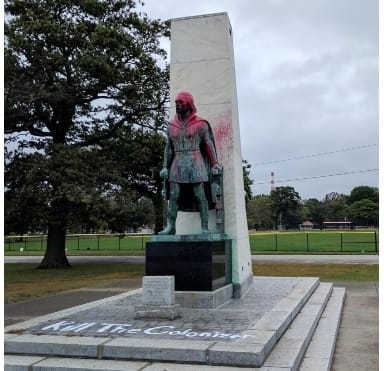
(190, 167)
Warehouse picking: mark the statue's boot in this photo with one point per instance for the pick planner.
(204, 229)
(171, 220)
(170, 228)
(204, 221)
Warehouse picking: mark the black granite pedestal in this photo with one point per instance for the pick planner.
(197, 265)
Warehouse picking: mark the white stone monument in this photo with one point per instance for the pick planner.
(158, 298)
(202, 63)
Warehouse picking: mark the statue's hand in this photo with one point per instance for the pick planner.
(164, 173)
(217, 169)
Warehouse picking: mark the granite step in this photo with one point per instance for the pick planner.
(255, 345)
(265, 333)
(319, 354)
(289, 348)
(28, 363)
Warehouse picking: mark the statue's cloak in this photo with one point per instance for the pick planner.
(187, 200)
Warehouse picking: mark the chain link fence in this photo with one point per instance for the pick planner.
(315, 242)
(80, 242)
(295, 242)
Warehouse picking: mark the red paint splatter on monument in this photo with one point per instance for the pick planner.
(222, 130)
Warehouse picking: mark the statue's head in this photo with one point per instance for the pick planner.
(184, 103)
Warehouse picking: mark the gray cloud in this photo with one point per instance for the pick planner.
(307, 80)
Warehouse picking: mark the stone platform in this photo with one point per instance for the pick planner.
(280, 324)
(197, 264)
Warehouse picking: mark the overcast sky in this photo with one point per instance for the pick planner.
(307, 85)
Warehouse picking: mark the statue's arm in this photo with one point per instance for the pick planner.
(168, 154)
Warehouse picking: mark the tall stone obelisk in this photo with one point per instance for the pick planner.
(202, 63)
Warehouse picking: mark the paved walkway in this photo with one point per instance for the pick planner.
(347, 259)
(357, 345)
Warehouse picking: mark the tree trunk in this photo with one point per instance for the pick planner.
(55, 253)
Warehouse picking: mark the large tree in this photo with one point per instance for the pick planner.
(138, 156)
(316, 210)
(259, 212)
(335, 205)
(364, 193)
(363, 208)
(363, 212)
(285, 203)
(76, 73)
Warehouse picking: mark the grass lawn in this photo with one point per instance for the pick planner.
(23, 281)
(326, 272)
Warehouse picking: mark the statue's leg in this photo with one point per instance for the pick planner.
(202, 202)
(173, 205)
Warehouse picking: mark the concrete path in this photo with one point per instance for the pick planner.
(25, 310)
(340, 259)
(357, 345)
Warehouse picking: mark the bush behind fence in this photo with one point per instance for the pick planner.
(259, 242)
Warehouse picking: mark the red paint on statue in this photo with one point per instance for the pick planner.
(187, 97)
(194, 125)
(223, 133)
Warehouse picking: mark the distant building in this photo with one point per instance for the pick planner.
(338, 225)
(307, 225)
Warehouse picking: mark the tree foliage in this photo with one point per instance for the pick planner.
(364, 192)
(80, 76)
(361, 207)
(335, 206)
(364, 212)
(259, 212)
(78, 70)
(285, 205)
(25, 199)
(247, 181)
(316, 211)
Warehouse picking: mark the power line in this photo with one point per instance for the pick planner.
(318, 176)
(314, 155)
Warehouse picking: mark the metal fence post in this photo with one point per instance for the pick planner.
(119, 239)
(25, 244)
(341, 241)
(42, 241)
(78, 242)
(307, 242)
(375, 240)
(275, 241)
(98, 242)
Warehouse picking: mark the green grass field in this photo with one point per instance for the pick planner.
(319, 241)
(260, 242)
(23, 281)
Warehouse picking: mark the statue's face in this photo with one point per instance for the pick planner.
(182, 106)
